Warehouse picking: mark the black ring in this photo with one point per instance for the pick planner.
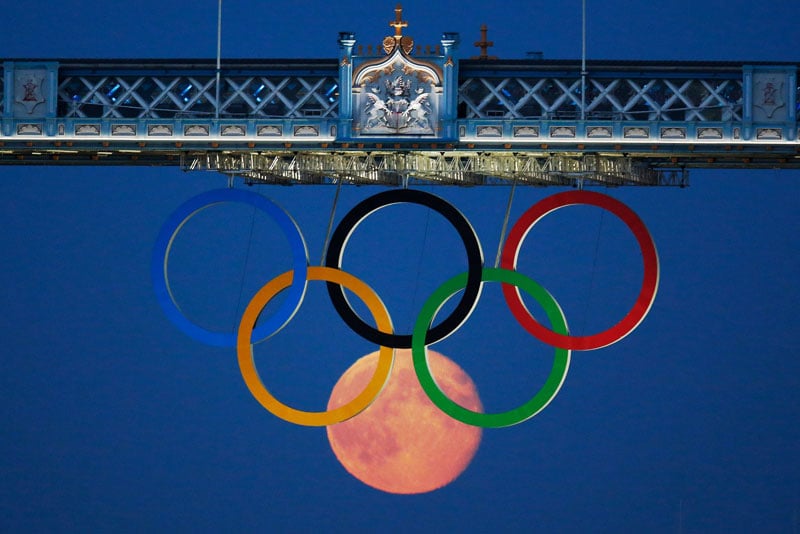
(472, 290)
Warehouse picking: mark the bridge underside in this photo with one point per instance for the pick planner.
(468, 165)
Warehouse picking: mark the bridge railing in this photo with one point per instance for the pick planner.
(636, 99)
(520, 103)
(146, 91)
(154, 96)
(297, 88)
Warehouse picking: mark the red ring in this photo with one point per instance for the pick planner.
(649, 285)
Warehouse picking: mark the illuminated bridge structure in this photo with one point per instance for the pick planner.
(398, 113)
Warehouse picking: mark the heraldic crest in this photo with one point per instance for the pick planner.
(395, 94)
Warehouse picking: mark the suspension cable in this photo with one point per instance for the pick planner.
(330, 222)
(244, 268)
(505, 223)
(421, 257)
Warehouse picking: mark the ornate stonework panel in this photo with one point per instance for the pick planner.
(673, 132)
(526, 131)
(159, 129)
(396, 96)
(769, 97)
(30, 92)
(196, 129)
(270, 130)
(123, 129)
(562, 131)
(599, 131)
(233, 129)
(636, 132)
(709, 133)
(401, 90)
(87, 129)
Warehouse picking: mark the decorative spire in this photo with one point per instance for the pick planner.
(484, 45)
(398, 23)
(398, 39)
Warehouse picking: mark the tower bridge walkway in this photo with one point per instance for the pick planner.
(394, 115)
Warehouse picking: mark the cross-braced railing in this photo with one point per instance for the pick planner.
(696, 99)
(188, 96)
(667, 99)
(530, 121)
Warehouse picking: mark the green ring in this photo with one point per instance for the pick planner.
(490, 420)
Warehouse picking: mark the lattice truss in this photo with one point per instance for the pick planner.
(618, 99)
(391, 168)
(84, 96)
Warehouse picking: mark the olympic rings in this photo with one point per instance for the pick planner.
(496, 420)
(472, 290)
(649, 284)
(423, 333)
(245, 350)
(173, 225)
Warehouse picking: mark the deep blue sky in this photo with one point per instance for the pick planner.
(114, 420)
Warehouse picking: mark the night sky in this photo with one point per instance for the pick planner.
(114, 420)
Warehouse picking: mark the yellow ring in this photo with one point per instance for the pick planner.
(244, 349)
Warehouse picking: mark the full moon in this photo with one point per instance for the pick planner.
(403, 443)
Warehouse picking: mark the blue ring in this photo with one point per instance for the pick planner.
(158, 267)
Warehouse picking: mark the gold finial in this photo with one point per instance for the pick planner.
(484, 45)
(404, 42)
(398, 23)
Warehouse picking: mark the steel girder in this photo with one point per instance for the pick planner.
(464, 169)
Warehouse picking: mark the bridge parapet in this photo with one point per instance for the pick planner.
(659, 115)
(523, 93)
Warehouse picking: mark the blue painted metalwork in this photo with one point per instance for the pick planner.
(661, 114)
(527, 93)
